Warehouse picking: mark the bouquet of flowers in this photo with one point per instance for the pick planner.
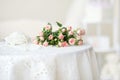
(62, 37)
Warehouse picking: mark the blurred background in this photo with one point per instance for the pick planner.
(101, 19)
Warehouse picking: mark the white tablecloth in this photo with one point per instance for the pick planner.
(30, 62)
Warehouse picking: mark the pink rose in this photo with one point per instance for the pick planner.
(45, 44)
(41, 34)
(70, 33)
(61, 36)
(80, 42)
(63, 30)
(48, 27)
(72, 41)
(35, 42)
(81, 32)
(63, 44)
(69, 28)
(42, 38)
(50, 37)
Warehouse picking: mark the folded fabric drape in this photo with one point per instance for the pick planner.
(50, 63)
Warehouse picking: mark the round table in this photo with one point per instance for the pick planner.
(31, 62)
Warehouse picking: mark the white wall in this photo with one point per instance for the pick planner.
(26, 15)
(48, 10)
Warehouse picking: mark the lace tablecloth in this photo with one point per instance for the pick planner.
(30, 62)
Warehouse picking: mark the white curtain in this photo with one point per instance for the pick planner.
(76, 13)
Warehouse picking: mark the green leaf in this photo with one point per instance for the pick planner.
(49, 24)
(59, 24)
(38, 38)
